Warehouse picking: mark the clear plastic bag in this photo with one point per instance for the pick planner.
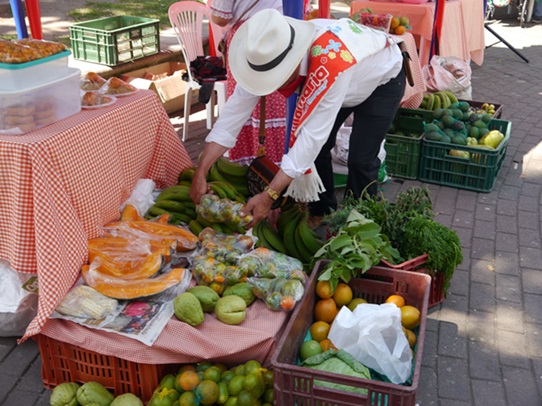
(374, 336)
(216, 210)
(27, 49)
(448, 73)
(277, 293)
(264, 263)
(91, 81)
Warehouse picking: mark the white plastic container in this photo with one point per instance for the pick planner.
(35, 107)
(20, 76)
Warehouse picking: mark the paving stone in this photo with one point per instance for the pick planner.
(463, 218)
(530, 258)
(484, 229)
(483, 361)
(529, 203)
(482, 271)
(20, 397)
(530, 238)
(466, 200)
(508, 288)
(455, 310)
(507, 263)
(532, 308)
(520, 386)
(452, 379)
(488, 393)
(444, 219)
(44, 399)
(32, 378)
(465, 235)
(7, 344)
(531, 280)
(7, 383)
(481, 327)
(482, 297)
(513, 349)
(460, 283)
(506, 242)
(427, 388)
(430, 352)
(482, 248)
(451, 343)
(527, 219)
(20, 359)
(507, 224)
(509, 316)
(537, 367)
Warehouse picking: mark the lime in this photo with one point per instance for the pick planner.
(355, 302)
(235, 386)
(308, 349)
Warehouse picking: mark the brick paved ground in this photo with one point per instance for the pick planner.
(483, 345)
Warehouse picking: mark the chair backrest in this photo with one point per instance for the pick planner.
(187, 19)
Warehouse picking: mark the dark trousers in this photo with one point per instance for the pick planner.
(372, 119)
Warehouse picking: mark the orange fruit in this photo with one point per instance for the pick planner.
(319, 330)
(411, 337)
(343, 294)
(188, 399)
(400, 30)
(207, 391)
(187, 367)
(355, 303)
(287, 302)
(395, 22)
(397, 300)
(325, 310)
(189, 380)
(323, 289)
(309, 348)
(327, 345)
(410, 317)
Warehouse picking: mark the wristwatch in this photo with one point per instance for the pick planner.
(273, 194)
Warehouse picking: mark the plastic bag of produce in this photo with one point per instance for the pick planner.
(448, 73)
(277, 293)
(373, 335)
(265, 263)
(216, 210)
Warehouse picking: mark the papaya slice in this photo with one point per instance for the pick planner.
(134, 268)
(130, 213)
(186, 240)
(118, 288)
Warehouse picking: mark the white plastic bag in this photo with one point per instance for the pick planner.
(18, 300)
(141, 197)
(448, 73)
(373, 335)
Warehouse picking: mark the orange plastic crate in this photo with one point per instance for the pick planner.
(63, 362)
(436, 293)
(295, 385)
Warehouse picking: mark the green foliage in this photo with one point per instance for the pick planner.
(357, 247)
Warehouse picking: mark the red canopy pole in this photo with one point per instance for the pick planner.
(34, 18)
(324, 8)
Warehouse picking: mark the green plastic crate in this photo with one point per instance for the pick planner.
(403, 151)
(478, 172)
(115, 40)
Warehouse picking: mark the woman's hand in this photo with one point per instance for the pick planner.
(259, 206)
(198, 188)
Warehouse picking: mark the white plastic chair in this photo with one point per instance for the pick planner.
(187, 19)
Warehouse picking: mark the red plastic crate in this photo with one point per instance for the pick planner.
(295, 385)
(63, 362)
(436, 293)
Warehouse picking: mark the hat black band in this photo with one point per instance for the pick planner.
(275, 62)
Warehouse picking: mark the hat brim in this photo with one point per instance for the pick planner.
(264, 83)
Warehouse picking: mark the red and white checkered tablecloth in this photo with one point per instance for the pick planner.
(60, 184)
(255, 338)
(413, 94)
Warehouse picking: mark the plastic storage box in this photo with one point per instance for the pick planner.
(478, 105)
(403, 151)
(35, 107)
(297, 385)
(114, 40)
(478, 172)
(63, 362)
(436, 293)
(19, 76)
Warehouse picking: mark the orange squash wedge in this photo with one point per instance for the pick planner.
(130, 213)
(135, 268)
(130, 289)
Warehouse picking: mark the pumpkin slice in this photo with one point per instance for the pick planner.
(130, 213)
(130, 289)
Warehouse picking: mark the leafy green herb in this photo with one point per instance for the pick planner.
(357, 246)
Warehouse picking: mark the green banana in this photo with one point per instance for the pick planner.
(285, 217)
(155, 211)
(430, 101)
(214, 174)
(227, 189)
(289, 236)
(229, 168)
(437, 103)
(272, 237)
(217, 227)
(187, 174)
(177, 218)
(241, 189)
(305, 253)
(172, 206)
(195, 226)
(240, 198)
(226, 228)
(451, 96)
(185, 183)
(218, 190)
(308, 238)
(204, 223)
(177, 192)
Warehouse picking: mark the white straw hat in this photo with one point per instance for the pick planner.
(266, 50)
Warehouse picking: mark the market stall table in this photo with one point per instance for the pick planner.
(60, 184)
(462, 33)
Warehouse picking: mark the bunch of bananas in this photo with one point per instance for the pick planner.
(438, 100)
(233, 173)
(292, 236)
